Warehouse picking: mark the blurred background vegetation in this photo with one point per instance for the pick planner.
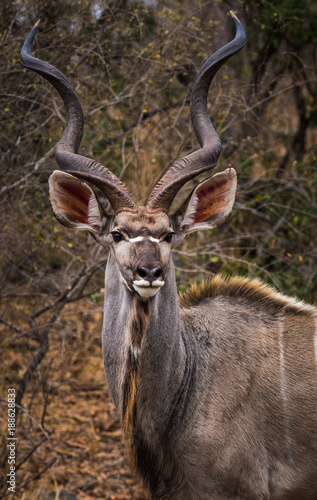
(133, 64)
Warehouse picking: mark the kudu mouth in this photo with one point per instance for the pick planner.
(146, 289)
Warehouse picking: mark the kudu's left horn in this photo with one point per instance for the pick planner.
(66, 149)
(206, 158)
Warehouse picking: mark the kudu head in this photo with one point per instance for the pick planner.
(140, 237)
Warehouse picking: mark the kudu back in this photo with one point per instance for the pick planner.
(216, 389)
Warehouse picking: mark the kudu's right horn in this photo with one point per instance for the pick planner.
(66, 149)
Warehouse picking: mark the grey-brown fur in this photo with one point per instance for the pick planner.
(219, 413)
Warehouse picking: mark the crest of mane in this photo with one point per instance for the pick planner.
(248, 291)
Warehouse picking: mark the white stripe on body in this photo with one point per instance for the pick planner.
(284, 391)
(315, 340)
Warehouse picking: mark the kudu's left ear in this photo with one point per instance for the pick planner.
(211, 202)
(74, 203)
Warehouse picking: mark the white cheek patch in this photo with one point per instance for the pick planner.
(125, 283)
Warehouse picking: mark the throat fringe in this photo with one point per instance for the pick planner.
(138, 323)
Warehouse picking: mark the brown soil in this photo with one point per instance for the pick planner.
(68, 398)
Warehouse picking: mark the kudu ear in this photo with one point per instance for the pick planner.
(211, 202)
(74, 203)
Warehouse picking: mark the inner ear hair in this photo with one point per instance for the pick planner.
(74, 203)
(211, 202)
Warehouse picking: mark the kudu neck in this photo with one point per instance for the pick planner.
(160, 350)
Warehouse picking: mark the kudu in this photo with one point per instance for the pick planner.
(217, 392)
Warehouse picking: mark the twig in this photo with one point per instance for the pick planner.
(47, 434)
(35, 447)
(145, 116)
(9, 325)
(37, 165)
(38, 474)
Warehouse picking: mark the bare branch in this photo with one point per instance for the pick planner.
(36, 166)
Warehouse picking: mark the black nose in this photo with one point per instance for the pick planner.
(149, 274)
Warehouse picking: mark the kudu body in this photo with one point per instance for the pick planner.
(217, 395)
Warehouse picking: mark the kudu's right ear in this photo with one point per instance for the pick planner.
(74, 203)
(211, 202)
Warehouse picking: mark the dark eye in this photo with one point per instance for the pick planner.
(117, 236)
(168, 237)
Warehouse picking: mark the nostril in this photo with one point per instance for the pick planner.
(143, 272)
(157, 273)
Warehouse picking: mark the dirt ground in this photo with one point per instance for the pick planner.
(70, 409)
